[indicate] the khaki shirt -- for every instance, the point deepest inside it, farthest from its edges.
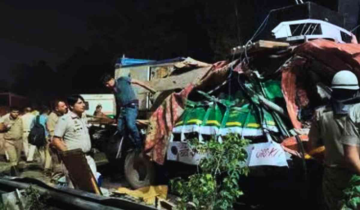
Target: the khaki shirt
(51, 123)
(27, 119)
(351, 135)
(74, 131)
(327, 129)
(16, 128)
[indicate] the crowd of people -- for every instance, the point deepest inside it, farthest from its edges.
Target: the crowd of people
(65, 127)
(14, 136)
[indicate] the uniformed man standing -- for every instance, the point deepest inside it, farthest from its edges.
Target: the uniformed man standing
(27, 119)
(13, 137)
(60, 109)
(71, 131)
(351, 140)
(127, 105)
(327, 129)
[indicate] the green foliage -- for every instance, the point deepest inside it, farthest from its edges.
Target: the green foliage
(215, 186)
(34, 200)
(4, 206)
(352, 194)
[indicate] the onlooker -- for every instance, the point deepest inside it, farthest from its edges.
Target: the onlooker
(43, 115)
(3, 112)
(60, 109)
(27, 119)
(71, 131)
(100, 117)
(35, 112)
(98, 111)
(13, 138)
(45, 157)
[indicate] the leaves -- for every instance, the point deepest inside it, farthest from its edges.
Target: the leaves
(216, 187)
(355, 180)
(34, 200)
(352, 193)
(354, 202)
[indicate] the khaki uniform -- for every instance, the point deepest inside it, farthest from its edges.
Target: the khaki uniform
(351, 135)
(327, 129)
(50, 126)
(27, 119)
(13, 138)
(352, 127)
(51, 123)
(73, 130)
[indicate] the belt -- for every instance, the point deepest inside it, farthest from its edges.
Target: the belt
(26, 131)
(130, 104)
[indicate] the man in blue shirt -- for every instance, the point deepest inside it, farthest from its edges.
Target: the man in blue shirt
(44, 151)
(127, 104)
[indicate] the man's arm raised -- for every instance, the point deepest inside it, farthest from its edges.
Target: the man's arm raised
(143, 85)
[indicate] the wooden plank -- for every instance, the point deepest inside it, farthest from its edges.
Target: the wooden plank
(260, 45)
(79, 171)
(177, 81)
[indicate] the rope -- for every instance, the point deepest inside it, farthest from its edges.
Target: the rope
(355, 28)
(257, 32)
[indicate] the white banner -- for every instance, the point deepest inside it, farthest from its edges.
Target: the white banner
(267, 154)
(180, 152)
(260, 154)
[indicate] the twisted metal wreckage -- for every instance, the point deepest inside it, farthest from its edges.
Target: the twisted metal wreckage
(268, 97)
(267, 92)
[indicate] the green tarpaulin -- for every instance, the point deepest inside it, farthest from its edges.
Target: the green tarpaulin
(221, 117)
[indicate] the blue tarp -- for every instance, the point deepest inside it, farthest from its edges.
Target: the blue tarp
(126, 62)
(131, 61)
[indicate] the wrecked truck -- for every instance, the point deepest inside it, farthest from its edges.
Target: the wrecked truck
(266, 91)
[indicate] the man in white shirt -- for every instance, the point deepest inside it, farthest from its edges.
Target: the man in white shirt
(71, 130)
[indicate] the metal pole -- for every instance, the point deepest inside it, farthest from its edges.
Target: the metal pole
(75, 198)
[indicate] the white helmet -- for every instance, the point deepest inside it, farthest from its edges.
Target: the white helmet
(345, 79)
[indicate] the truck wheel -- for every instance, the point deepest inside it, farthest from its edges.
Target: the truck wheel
(139, 171)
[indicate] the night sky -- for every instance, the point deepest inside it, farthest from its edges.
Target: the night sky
(53, 30)
(42, 29)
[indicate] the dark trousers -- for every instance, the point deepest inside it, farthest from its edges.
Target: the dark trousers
(127, 124)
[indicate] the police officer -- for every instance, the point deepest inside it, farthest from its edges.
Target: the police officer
(127, 104)
(13, 138)
(327, 129)
(60, 109)
(71, 131)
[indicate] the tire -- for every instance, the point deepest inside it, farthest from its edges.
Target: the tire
(139, 171)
